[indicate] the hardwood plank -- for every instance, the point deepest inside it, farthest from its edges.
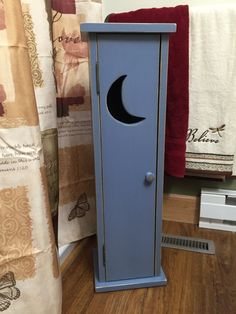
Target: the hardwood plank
(197, 283)
(73, 254)
(77, 282)
(129, 301)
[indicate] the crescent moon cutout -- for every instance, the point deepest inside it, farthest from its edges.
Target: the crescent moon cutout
(115, 104)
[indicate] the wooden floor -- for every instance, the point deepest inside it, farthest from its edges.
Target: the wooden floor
(197, 283)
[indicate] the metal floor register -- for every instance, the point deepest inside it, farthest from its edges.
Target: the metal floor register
(188, 244)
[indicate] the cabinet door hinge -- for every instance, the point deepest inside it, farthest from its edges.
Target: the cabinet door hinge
(97, 78)
(104, 255)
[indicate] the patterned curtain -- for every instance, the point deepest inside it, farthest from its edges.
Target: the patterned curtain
(76, 173)
(46, 168)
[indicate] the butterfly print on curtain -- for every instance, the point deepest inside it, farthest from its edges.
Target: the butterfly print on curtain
(81, 207)
(8, 291)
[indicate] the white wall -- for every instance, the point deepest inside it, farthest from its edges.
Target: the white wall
(113, 6)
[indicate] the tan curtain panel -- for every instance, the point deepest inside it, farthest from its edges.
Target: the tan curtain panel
(28, 255)
(46, 164)
(76, 173)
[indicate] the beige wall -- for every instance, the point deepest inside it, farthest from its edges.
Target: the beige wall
(111, 6)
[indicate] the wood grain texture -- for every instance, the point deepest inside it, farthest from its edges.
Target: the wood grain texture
(79, 246)
(181, 208)
(197, 283)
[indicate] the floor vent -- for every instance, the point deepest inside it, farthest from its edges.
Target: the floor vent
(188, 244)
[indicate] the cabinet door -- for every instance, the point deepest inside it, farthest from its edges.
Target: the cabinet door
(129, 78)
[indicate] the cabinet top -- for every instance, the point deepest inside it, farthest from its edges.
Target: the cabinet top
(128, 27)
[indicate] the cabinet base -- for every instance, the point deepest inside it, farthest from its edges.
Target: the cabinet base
(105, 286)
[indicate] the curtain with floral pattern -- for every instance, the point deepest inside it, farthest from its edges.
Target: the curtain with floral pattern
(46, 168)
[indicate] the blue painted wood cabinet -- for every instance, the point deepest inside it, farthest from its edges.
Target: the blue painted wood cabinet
(128, 70)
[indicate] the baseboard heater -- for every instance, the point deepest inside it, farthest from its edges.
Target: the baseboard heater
(218, 209)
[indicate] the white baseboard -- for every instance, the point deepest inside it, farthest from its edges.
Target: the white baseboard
(65, 250)
(217, 224)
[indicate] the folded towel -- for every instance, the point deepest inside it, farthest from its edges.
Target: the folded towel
(178, 79)
(211, 140)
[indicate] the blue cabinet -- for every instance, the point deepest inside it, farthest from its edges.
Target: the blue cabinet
(128, 67)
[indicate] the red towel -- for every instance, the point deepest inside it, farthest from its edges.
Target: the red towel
(178, 79)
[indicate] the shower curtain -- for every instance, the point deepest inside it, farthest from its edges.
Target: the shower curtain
(46, 169)
(76, 173)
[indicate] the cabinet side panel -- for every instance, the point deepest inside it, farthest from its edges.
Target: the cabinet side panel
(97, 153)
(161, 147)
